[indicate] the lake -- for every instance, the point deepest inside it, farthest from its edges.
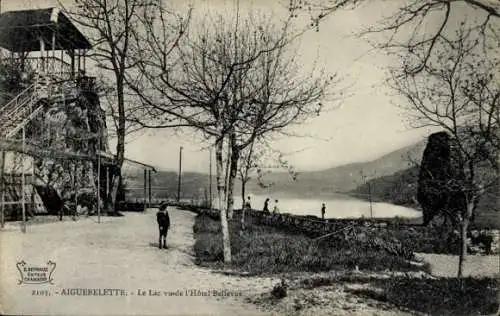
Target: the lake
(336, 207)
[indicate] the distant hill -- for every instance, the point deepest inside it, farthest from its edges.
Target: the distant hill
(393, 179)
(344, 178)
(401, 188)
(309, 184)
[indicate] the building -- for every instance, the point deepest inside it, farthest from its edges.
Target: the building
(51, 121)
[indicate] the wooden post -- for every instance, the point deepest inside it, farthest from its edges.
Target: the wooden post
(73, 66)
(23, 180)
(79, 64)
(179, 179)
(99, 179)
(145, 191)
(149, 180)
(107, 180)
(2, 186)
(84, 60)
(33, 186)
(370, 198)
(47, 61)
(42, 53)
(75, 188)
(53, 52)
(210, 179)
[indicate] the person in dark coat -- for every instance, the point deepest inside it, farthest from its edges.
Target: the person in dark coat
(266, 206)
(323, 211)
(163, 224)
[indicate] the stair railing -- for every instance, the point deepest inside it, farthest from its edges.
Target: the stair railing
(20, 99)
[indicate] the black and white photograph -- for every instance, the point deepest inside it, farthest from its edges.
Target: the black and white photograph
(250, 157)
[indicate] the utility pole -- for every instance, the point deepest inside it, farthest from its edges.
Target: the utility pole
(149, 183)
(145, 185)
(210, 179)
(180, 171)
(370, 198)
(369, 192)
(99, 176)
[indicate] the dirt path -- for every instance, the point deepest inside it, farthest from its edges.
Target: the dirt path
(122, 253)
(119, 253)
(474, 266)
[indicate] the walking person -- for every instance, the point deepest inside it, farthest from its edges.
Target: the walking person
(323, 211)
(163, 225)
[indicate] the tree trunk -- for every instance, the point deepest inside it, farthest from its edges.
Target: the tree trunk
(113, 192)
(243, 190)
(120, 150)
(233, 169)
(226, 178)
(221, 183)
(243, 208)
(464, 226)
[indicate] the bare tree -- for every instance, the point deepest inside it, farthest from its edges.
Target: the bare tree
(250, 160)
(113, 26)
(257, 160)
(440, 43)
(458, 91)
(416, 26)
(233, 81)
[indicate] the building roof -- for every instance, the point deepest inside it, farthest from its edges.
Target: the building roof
(20, 30)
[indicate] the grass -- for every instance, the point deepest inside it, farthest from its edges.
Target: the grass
(425, 239)
(266, 250)
(262, 250)
(442, 296)
(433, 296)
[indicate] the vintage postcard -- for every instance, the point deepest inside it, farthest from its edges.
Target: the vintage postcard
(249, 157)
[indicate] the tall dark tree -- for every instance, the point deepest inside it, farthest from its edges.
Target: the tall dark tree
(434, 176)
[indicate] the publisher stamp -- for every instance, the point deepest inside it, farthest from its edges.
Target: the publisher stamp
(36, 274)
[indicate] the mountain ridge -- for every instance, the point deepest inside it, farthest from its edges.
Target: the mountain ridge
(309, 184)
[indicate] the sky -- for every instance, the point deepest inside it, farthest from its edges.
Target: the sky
(366, 125)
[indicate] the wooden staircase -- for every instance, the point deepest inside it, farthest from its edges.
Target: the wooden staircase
(27, 104)
(14, 116)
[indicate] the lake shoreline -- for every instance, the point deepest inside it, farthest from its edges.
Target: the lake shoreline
(338, 206)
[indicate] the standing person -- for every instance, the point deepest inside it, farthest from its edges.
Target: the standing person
(266, 206)
(323, 211)
(163, 224)
(248, 205)
(276, 210)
